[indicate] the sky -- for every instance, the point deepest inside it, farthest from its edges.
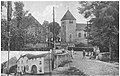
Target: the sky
(4, 54)
(43, 10)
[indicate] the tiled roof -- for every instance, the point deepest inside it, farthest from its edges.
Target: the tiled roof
(80, 26)
(31, 56)
(68, 16)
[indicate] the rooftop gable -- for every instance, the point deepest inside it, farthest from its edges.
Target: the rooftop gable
(68, 16)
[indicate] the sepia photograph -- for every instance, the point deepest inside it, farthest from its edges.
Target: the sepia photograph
(59, 38)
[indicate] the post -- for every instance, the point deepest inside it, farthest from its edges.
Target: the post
(53, 41)
(87, 39)
(49, 54)
(9, 13)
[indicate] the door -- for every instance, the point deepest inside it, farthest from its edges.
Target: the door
(34, 69)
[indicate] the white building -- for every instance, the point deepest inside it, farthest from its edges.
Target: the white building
(72, 31)
(30, 63)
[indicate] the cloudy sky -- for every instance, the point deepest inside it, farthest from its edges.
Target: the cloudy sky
(42, 10)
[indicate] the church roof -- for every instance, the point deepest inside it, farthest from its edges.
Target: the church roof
(68, 16)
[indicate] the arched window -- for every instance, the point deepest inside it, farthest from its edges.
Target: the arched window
(79, 34)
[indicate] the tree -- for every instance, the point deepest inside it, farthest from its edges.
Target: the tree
(17, 39)
(55, 29)
(105, 22)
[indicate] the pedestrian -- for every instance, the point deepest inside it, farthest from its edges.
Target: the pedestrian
(72, 52)
(83, 53)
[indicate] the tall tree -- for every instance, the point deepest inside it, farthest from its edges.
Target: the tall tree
(17, 31)
(55, 29)
(105, 21)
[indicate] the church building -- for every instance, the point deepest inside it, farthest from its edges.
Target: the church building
(71, 31)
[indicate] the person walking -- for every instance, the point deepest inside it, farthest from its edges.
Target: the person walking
(72, 52)
(83, 54)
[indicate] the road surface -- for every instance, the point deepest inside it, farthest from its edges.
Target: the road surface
(94, 67)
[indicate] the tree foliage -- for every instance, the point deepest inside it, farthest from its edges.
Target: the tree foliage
(104, 22)
(55, 29)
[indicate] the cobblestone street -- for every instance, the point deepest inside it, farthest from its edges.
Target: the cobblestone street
(94, 67)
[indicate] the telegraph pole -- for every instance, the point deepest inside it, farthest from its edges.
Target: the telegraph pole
(53, 41)
(9, 13)
(87, 38)
(53, 28)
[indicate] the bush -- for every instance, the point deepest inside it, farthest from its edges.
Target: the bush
(63, 63)
(80, 48)
(74, 71)
(80, 45)
(104, 56)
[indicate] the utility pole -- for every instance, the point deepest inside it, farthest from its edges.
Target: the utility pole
(53, 28)
(49, 52)
(9, 13)
(87, 38)
(53, 42)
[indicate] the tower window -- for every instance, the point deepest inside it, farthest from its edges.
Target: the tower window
(79, 34)
(63, 22)
(40, 63)
(70, 21)
(84, 35)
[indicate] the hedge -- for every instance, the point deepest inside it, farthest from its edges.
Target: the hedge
(80, 48)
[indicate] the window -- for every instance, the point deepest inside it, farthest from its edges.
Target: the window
(26, 61)
(22, 61)
(63, 22)
(70, 36)
(40, 69)
(79, 34)
(18, 68)
(40, 63)
(22, 67)
(85, 35)
(27, 67)
(70, 21)
(18, 62)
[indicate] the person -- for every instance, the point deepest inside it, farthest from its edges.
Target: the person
(72, 52)
(83, 53)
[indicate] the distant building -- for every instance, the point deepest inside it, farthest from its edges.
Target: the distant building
(4, 65)
(72, 31)
(35, 29)
(33, 64)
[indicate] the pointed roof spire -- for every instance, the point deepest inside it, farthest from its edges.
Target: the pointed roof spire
(68, 16)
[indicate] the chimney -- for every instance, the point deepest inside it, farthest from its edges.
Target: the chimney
(29, 15)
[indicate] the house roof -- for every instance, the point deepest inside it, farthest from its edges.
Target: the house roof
(80, 26)
(31, 56)
(12, 61)
(68, 16)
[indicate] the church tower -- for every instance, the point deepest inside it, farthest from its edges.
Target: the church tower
(68, 27)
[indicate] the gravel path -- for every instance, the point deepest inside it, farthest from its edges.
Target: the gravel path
(94, 67)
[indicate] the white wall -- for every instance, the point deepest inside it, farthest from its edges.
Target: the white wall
(70, 29)
(30, 63)
(82, 38)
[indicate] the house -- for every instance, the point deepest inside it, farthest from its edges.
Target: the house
(34, 29)
(12, 62)
(71, 31)
(33, 64)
